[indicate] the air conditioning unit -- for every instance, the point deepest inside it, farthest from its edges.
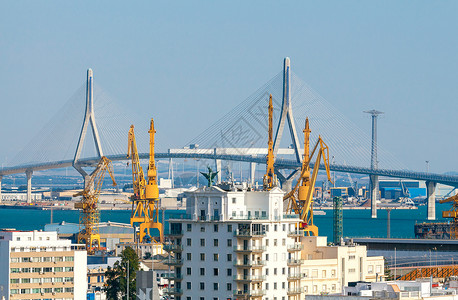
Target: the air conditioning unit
(41, 273)
(41, 283)
(53, 283)
(42, 294)
(53, 293)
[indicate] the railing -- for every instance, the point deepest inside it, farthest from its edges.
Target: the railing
(248, 218)
(173, 276)
(295, 233)
(181, 217)
(175, 233)
(250, 277)
(249, 292)
(250, 263)
(173, 247)
(173, 291)
(248, 233)
(241, 248)
(215, 218)
(295, 262)
(290, 216)
(295, 291)
(296, 276)
(295, 247)
(172, 261)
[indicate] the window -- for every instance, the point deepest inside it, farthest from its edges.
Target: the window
(202, 271)
(351, 257)
(36, 259)
(68, 269)
(215, 242)
(69, 258)
(229, 242)
(188, 227)
(267, 257)
(333, 287)
(25, 291)
(234, 200)
(69, 290)
(333, 273)
(351, 270)
(202, 229)
(58, 290)
(46, 259)
(36, 291)
(58, 269)
(215, 271)
(188, 242)
(215, 256)
(315, 273)
(70, 279)
(267, 271)
(378, 269)
(267, 242)
(324, 288)
(26, 259)
(57, 279)
(275, 227)
(188, 256)
(215, 227)
(202, 285)
(275, 256)
(14, 270)
(188, 271)
(202, 242)
(229, 272)
(188, 285)
(215, 286)
(370, 269)
(283, 242)
(275, 271)
(229, 228)
(323, 273)
(25, 270)
(14, 259)
(25, 280)
(14, 291)
(283, 285)
(202, 256)
(283, 271)
(14, 280)
(275, 242)
(229, 287)
(267, 285)
(229, 257)
(59, 258)
(36, 270)
(47, 290)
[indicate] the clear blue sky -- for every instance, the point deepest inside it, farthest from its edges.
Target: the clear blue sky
(190, 61)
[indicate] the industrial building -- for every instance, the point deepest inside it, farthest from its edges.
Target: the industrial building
(37, 265)
(238, 244)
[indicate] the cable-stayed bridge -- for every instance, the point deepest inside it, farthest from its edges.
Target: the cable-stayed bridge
(240, 135)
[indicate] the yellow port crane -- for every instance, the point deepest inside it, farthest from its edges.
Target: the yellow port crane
(453, 214)
(145, 201)
(90, 215)
(300, 198)
(270, 179)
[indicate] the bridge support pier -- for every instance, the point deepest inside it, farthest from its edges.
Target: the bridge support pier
(28, 174)
(431, 192)
(219, 176)
(252, 172)
(374, 195)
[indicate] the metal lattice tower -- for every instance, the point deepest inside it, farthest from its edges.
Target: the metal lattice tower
(374, 163)
(338, 220)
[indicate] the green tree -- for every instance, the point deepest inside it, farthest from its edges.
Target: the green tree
(116, 277)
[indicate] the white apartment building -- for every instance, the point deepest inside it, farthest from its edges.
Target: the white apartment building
(239, 244)
(37, 265)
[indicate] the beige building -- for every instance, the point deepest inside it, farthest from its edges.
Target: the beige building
(37, 265)
(326, 269)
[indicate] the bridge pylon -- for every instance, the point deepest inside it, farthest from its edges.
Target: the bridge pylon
(287, 115)
(89, 120)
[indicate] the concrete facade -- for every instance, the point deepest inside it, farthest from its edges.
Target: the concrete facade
(37, 265)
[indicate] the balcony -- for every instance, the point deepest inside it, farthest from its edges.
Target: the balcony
(173, 276)
(295, 291)
(172, 262)
(173, 248)
(250, 278)
(241, 248)
(296, 276)
(296, 233)
(295, 247)
(249, 293)
(175, 233)
(295, 262)
(250, 263)
(249, 234)
(173, 291)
